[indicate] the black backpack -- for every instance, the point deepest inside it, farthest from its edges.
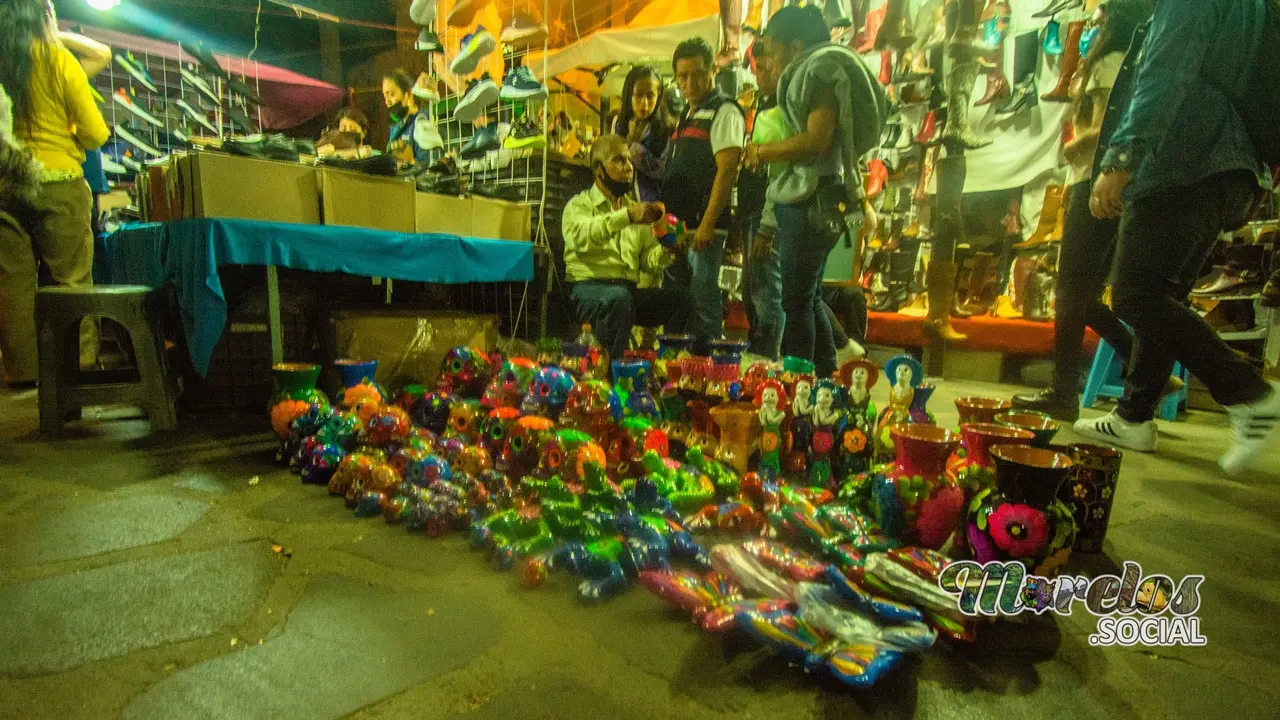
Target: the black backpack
(1260, 106)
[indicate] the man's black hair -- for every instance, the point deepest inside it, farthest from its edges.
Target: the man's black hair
(694, 47)
(793, 24)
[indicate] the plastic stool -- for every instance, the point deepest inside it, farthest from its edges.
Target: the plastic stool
(59, 312)
(1106, 380)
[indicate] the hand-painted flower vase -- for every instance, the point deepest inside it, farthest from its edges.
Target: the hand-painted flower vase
(358, 386)
(770, 401)
(827, 423)
(1090, 491)
(905, 375)
(915, 500)
(631, 396)
(974, 409)
(856, 449)
(1021, 518)
(972, 465)
(738, 433)
(295, 394)
(672, 347)
(1043, 426)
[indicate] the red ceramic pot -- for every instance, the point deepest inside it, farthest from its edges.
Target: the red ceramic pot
(975, 409)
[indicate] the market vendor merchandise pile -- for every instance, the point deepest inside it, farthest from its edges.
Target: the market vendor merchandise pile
(752, 500)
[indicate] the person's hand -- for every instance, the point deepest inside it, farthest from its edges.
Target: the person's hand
(646, 213)
(751, 158)
(702, 237)
(636, 131)
(761, 248)
(1107, 201)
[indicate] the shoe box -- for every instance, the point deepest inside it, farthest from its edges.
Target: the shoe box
(369, 201)
(409, 345)
(215, 185)
(474, 216)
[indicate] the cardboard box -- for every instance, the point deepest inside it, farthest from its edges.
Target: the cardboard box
(448, 214)
(213, 185)
(408, 345)
(501, 220)
(368, 201)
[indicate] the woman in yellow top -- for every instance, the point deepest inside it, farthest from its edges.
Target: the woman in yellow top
(55, 117)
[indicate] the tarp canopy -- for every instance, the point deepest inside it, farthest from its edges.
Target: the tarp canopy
(290, 99)
(650, 37)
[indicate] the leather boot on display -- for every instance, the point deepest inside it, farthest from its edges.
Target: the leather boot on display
(871, 33)
(1038, 306)
(896, 32)
(731, 27)
(941, 285)
(928, 128)
(1049, 214)
(902, 263)
(982, 286)
(1056, 6)
(928, 163)
(1070, 62)
(1022, 96)
(886, 68)
(997, 88)
(964, 270)
(1053, 38)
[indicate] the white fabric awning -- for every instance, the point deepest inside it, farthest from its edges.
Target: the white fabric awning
(633, 45)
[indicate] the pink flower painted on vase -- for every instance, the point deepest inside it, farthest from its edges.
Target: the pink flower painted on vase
(1019, 530)
(937, 519)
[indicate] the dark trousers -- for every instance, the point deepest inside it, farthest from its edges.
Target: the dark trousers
(1165, 238)
(1088, 248)
(846, 310)
(803, 251)
(612, 307)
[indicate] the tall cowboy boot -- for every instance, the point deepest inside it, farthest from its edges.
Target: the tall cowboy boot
(940, 283)
(1049, 212)
(755, 15)
(871, 33)
(902, 263)
(1070, 62)
(982, 285)
(997, 84)
(896, 31)
(958, 134)
(1038, 306)
(731, 26)
(964, 279)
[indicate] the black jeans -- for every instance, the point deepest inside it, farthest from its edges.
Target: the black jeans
(613, 306)
(1165, 238)
(1084, 260)
(847, 311)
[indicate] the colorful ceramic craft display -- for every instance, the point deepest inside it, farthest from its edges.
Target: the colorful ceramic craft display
(718, 494)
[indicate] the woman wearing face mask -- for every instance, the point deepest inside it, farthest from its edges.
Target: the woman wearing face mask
(57, 120)
(414, 136)
(645, 127)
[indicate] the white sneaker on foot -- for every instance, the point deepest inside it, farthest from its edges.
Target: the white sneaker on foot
(1111, 429)
(1252, 427)
(852, 351)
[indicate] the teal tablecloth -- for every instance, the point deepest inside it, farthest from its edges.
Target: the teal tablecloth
(187, 253)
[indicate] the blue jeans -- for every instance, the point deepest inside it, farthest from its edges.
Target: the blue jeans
(764, 288)
(803, 254)
(612, 307)
(699, 273)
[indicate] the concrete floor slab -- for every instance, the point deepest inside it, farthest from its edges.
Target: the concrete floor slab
(82, 530)
(67, 620)
(346, 644)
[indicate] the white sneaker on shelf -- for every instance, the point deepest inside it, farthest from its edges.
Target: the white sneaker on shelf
(1253, 427)
(1111, 429)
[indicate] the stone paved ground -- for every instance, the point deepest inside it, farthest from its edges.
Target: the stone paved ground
(146, 577)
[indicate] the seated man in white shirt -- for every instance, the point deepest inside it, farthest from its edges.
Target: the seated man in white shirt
(608, 242)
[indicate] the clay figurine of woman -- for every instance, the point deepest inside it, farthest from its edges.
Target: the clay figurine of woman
(770, 398)
(857, 445)
(904, 372)
(801, 433)
(828, 419)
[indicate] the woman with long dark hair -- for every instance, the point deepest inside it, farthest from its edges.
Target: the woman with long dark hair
(56, 119)
(1088, 244)
(643, 123)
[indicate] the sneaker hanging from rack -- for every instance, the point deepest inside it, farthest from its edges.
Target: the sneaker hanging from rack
(423, 12)
(428, 41)
(480, 94)
(525, 134)
(520, 84)
(474, 46)
(464, 11)
(524, 31)
(137, 70)
(482, 141)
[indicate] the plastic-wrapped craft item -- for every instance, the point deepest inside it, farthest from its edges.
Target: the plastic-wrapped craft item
(859, 665)
(712, 599)
(796, 565)
(822, 607)
(888, 576)
(749, 573)
(869, 603)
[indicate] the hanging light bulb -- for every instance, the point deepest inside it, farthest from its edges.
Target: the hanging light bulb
(102, 4)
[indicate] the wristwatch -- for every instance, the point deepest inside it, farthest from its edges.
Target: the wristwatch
(1120, 159)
